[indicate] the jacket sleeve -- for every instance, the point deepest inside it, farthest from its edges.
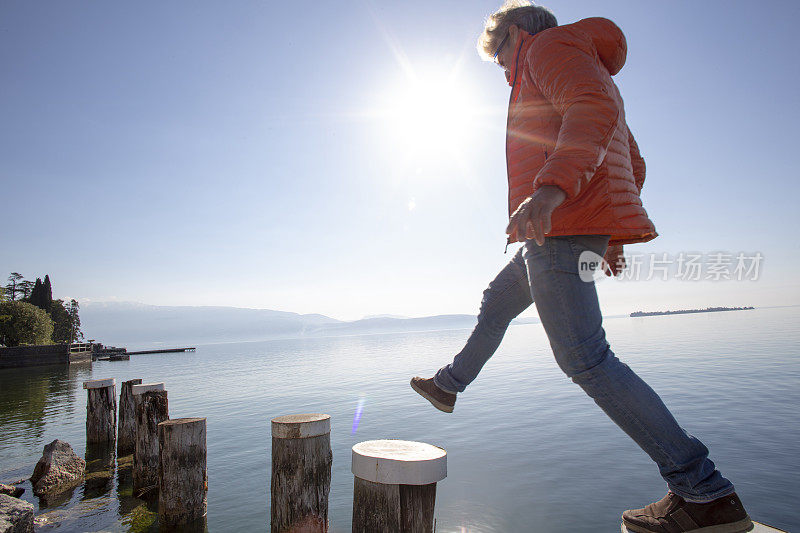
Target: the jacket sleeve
(570, 78)
(637, 162)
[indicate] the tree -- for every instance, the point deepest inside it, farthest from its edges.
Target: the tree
(75, 321)
(66, 321)
(62, 326)
(13, 279)
(3, 318)
(48, 292)
(37, 295)
(24, 288)
(27, 324)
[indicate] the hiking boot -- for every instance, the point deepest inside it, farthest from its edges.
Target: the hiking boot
(441, 399)
(673, 514)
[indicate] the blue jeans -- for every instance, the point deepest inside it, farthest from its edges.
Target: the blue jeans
(570, 313)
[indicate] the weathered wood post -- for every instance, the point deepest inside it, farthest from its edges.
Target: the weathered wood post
(152, 408)
(182, 476)
(126, 435)
(301, 473)
(101, 410)
(395, 485)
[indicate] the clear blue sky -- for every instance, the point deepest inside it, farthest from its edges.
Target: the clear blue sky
(348, 158)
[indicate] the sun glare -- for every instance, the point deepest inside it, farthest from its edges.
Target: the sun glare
(428, 115)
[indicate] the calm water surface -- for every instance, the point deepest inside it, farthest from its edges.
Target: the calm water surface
(525, 445)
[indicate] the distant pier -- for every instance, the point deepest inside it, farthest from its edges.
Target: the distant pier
(689, 311)
(163, 350)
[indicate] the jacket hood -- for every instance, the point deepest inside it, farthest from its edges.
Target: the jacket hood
(608, 39)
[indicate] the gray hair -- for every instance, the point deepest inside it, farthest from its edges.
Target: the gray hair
(523, 13)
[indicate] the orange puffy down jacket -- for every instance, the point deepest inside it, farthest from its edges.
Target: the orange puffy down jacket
(566, 127)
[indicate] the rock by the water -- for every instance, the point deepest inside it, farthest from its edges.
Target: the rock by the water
(11, 490)
(16, 516)
(58, 470)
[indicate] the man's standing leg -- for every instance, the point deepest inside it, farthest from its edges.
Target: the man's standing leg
(570, 313)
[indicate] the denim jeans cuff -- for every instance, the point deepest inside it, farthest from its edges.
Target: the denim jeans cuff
(438, 383)
(694, 498)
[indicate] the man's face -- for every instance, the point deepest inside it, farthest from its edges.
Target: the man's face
(505, 55)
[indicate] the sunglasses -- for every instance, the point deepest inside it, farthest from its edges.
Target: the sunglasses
(500, 46)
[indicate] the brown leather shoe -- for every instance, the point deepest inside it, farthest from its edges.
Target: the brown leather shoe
(673, 514)
(442, 400)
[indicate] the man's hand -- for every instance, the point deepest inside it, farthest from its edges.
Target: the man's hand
(615, 260)
(532, 217)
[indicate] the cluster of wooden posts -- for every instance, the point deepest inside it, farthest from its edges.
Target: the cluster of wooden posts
(169, 456)
(394, 487)
(394, 481)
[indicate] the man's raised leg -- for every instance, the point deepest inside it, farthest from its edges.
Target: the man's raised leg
(507, 296)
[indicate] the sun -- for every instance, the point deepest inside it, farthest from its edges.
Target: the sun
(428, 114)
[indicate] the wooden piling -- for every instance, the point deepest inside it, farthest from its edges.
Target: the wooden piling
(101, 410)
(126, 437)
(395, 485)
(182, 475)
(152, 408)
(301, 473)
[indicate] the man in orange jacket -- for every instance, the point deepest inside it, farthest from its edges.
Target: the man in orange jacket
(575, 176)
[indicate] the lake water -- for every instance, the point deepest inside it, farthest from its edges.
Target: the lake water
(527, 450)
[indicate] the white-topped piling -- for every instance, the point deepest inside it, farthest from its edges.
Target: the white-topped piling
(101, 410)
(141, 388)
(395, 485)
(301, 473)
(152, 407)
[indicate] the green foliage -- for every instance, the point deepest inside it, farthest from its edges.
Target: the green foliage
(66, 321)
(75, 320)
(24, 288)
(27, 324)
(13, 280)
(48, 292)
(61, 321)
(37, 297)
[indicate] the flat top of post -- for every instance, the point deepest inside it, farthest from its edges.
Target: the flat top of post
(399, 450)
(301, 426)
(99, 383)
(147, 387)
(399, 462)
(179, 421)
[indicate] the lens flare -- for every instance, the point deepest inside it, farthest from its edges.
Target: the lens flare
(357, 417)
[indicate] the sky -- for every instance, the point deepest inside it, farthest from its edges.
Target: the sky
(347, 158)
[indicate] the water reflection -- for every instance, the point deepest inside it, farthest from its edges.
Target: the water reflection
(100, 464)
(29, 395)
(57, 499)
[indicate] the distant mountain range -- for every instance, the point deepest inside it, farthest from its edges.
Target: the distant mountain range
(139, 325)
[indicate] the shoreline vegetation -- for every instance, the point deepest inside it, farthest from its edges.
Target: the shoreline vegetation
(30, 316)
(689, 311)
